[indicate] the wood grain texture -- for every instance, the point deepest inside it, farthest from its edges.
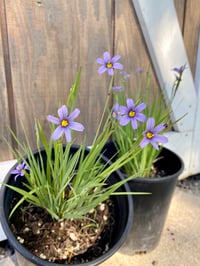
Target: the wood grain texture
(129, 42)
(48, 41)
(180, 10)
(4, 109)
(192, 31)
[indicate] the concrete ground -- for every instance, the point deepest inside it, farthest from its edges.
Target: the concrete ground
(180, 241)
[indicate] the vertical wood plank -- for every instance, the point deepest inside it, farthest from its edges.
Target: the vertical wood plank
(48, 41)
(5, 153)
(191, 31)
(129, 42)
(180, 6)
(195, 156)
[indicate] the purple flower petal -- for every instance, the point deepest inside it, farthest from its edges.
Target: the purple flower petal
(125, 75)
(139, 70)
(159, 128)
(74, 114)
(100, 61)
(110, 71)
(14, 171)
(116, 88)
(123, 109)
(150, 123)
(154, 144)
(76, 126)
(53, 119)
(140, 107)
(124, 120)
(118, 66)
(63, 112)
(57, 133)
(179, 69)
(134, 123)
(116, 112)
(162, 139)
(130, 103)
(116, 107)
(106, 57)
(67, 135)
(102, 69)
(141, 117)
(144, 142)
(116, 58)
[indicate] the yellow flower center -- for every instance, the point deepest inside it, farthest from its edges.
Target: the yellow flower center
(109, 65)
(149, 135)
(114, 114)
(131, 113)
(64, 123)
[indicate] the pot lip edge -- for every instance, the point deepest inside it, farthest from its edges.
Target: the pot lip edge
(35, 259)
(165, 178)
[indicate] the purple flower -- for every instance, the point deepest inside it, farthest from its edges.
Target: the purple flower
(151, 134)
(180, 69)
(65, 123)
(116, 112)
(139, 70)
(132, 114)
(116, 88)
(19, 170)
(179, 72)
(108, 63)
(125, 75)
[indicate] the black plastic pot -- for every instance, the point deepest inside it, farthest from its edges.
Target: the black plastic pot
(150, 211)
(123, 214)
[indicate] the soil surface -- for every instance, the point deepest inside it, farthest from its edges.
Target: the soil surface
(64, 241)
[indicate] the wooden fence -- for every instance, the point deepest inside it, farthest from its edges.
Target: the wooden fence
(44, 42)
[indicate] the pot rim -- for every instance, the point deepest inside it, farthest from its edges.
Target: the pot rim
(40, 262)
(165, 178)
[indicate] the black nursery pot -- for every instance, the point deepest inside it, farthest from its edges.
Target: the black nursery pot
(150, 211)
(123, 216)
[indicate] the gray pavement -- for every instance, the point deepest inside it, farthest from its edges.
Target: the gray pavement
(180, 241)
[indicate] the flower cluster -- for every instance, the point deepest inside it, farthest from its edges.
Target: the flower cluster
(132, 113)
(69, 184)
(139, 122)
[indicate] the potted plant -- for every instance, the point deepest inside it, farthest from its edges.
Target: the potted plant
(66, 204)
(88, 240)
(157, 168)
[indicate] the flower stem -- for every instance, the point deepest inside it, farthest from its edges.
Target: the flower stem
(104, 110)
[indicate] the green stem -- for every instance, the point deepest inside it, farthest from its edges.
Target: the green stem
(104, 110)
